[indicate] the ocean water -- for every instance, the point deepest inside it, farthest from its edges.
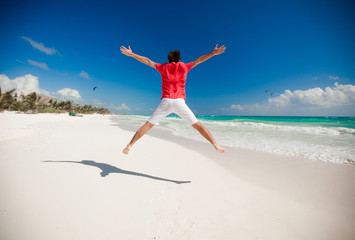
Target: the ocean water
(330, 139)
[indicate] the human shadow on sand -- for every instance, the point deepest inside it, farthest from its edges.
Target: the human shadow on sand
(107, 169)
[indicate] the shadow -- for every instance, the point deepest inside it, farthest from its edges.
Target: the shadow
(107, 169)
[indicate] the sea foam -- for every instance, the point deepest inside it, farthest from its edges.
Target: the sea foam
(313, 141)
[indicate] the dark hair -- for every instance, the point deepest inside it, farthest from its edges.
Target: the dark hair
(174, 56)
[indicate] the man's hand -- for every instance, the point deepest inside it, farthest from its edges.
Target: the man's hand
(145, 60)
(218, 50)
(125, 51)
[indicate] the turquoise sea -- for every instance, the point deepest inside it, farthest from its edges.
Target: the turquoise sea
(347, 122)
(330, 139)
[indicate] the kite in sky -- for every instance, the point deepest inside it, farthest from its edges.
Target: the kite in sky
(268, 92)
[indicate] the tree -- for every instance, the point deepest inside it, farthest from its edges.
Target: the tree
(17, 106)
(32, 101)
(6, 99)
(61, 105)
(54, 104)
(68, 105)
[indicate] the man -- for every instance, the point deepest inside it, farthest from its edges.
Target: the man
(173, 93)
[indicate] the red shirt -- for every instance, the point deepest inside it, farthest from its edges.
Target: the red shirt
(173, 77)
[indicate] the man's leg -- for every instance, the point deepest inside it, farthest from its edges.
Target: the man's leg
(138, 135)
(204, 132)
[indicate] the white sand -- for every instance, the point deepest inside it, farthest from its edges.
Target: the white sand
(65, 178)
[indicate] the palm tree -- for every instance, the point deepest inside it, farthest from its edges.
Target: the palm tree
(17, 106)
(86, 108)
(6, 99)
(61, 105)
(68, 105)
(54, 104)
(77, 108)
(32, 101)
(0, 99)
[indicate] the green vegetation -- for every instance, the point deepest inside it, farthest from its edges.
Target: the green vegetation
(50, 110)
(31, 104)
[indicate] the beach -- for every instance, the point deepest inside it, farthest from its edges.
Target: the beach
(65, 177)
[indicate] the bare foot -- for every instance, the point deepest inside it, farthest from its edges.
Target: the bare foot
(126, 150)
(220, 149)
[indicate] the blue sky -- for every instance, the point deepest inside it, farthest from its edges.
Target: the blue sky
(304, 51)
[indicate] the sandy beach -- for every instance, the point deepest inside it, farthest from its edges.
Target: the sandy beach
(65, 177)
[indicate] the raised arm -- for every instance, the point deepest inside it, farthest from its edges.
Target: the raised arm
(216, 51)
(145, 60)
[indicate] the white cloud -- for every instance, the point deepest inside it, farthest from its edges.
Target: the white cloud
(334, 77)
(237, 107)
(24, 84)
(98, 103)
(68, 94)
(41, 47)
(28, 83)
(38, 64)
(111, 107)
(339, 95)
(124, 106)
(336, 100)
(242, 109)
(84, 75)
(121, 107)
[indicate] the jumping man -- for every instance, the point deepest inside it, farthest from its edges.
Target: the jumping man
(173, 93)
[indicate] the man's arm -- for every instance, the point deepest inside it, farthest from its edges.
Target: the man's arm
(145, 60)
(216, 51)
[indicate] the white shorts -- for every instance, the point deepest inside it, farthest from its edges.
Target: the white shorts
(168, 106)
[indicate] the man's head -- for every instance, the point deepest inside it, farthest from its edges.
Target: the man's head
(174, 56)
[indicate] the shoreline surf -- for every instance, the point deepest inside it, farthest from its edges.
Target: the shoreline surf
(307, 137)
